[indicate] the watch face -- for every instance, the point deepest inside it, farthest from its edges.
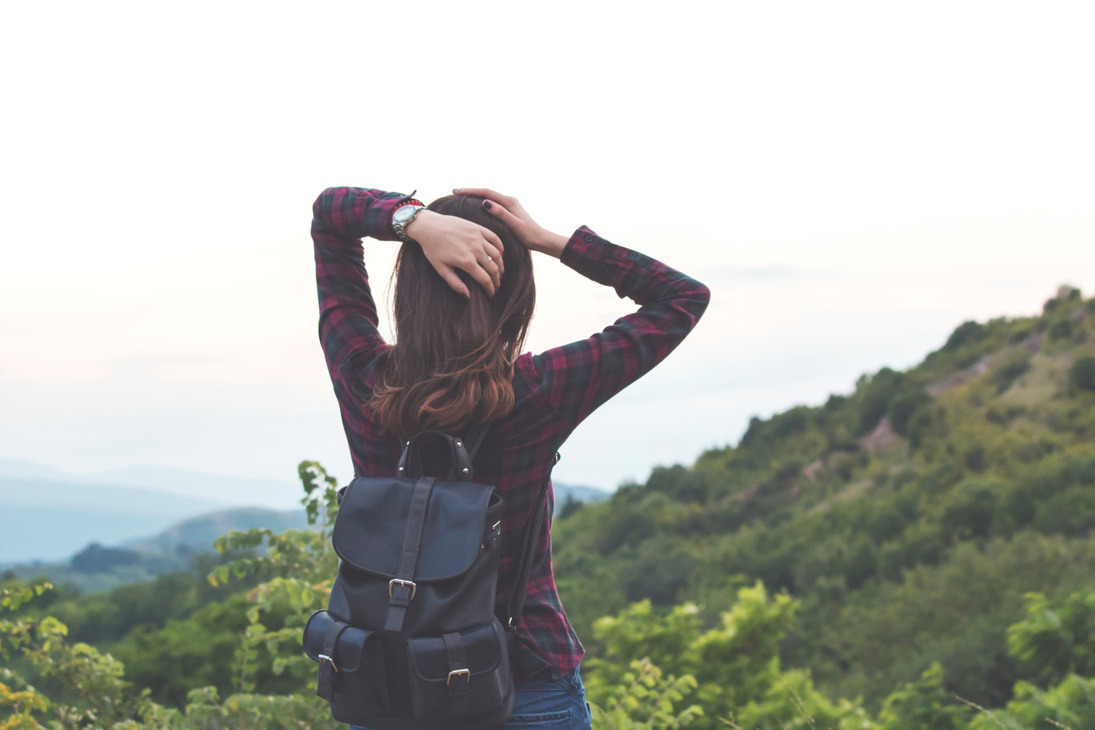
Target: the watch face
(403, 214)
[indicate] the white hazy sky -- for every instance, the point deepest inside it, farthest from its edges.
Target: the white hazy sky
(852, 180)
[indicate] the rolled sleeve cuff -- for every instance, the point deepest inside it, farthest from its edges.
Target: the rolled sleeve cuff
(582, 246)
(384, 207)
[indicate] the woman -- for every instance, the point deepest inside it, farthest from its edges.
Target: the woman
(464, 297)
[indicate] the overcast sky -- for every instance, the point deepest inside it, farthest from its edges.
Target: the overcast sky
(852, 180)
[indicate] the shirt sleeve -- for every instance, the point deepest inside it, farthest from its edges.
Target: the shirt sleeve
(579, 377)
(347, 314)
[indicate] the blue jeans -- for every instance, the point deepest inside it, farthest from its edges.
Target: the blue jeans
(559, 704)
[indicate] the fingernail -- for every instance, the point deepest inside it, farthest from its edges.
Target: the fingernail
(457, 190)
(487, 204)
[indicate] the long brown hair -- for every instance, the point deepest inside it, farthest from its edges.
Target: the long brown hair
(452, 362)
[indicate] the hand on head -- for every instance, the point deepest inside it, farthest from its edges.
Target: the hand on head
(451, 243)
(509, 210)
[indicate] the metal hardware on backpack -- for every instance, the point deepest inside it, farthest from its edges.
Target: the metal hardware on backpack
(410, 639)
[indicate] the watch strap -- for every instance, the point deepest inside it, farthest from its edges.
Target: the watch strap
(400, 226)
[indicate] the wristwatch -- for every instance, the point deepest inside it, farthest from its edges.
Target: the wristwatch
(402, 218)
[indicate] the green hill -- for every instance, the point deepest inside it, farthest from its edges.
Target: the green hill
(97, 567)
(909, 517)
(879, 562)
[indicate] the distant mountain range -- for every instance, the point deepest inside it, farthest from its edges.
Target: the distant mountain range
(97, 567)
(48, 514)
(165, 515)
(42, 519)
(214, 488)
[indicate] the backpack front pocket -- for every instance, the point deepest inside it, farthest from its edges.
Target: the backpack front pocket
(351, 663)
(463, 677)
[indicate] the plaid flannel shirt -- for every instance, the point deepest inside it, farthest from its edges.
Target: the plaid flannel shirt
(554, 390)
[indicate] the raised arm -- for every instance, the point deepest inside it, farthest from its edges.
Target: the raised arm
(579, 377)
(347, 313)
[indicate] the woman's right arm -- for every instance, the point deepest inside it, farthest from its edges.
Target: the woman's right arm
(579, 377)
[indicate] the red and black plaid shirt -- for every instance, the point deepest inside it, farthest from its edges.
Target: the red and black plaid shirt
(554, 390)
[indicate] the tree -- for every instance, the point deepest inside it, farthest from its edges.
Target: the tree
(1055, 640)
(1081, 376)
(734, 666)
(924, 705)
(1069, 705)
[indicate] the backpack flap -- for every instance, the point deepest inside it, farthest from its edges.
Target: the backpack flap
(417, 554)
(372, 523)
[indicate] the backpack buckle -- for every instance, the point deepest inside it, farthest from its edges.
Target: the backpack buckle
(324, 659)
(410, 583)
(465, 673)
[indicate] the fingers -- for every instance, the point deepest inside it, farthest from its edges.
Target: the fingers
(502, 214)
(487, 256)
(483, 193)
(495, 242)
(494, 249)
(449, 275)
(482, 277)
(493, 269)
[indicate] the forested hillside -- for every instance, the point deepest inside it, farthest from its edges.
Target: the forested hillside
(915, 554)
(909, 519)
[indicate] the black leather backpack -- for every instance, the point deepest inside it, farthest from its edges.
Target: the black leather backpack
(410, 639)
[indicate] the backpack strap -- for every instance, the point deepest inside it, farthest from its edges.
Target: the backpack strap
(401, 588)
(461, 452)
(459, 675)
(328, 670)
(524, 566)
(475, 438)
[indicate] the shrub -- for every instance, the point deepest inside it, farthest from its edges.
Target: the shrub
(569, 506)
(1071, 512)
(922, 704)
(970, 509)
(875, 395)
(967, 332)
(1081, 376)
(793, 421)
(98, 559)
(1055, 639)
(656, 570)
(925, 424)
(1009, 367)
(902, 408)
(1062, 329)
(752, 433)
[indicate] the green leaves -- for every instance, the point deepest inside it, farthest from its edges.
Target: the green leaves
(14, 596)
(255, 639)
(1055, 640)
(924, 705)
(663, 669)
(320, 490)
(646, 699)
